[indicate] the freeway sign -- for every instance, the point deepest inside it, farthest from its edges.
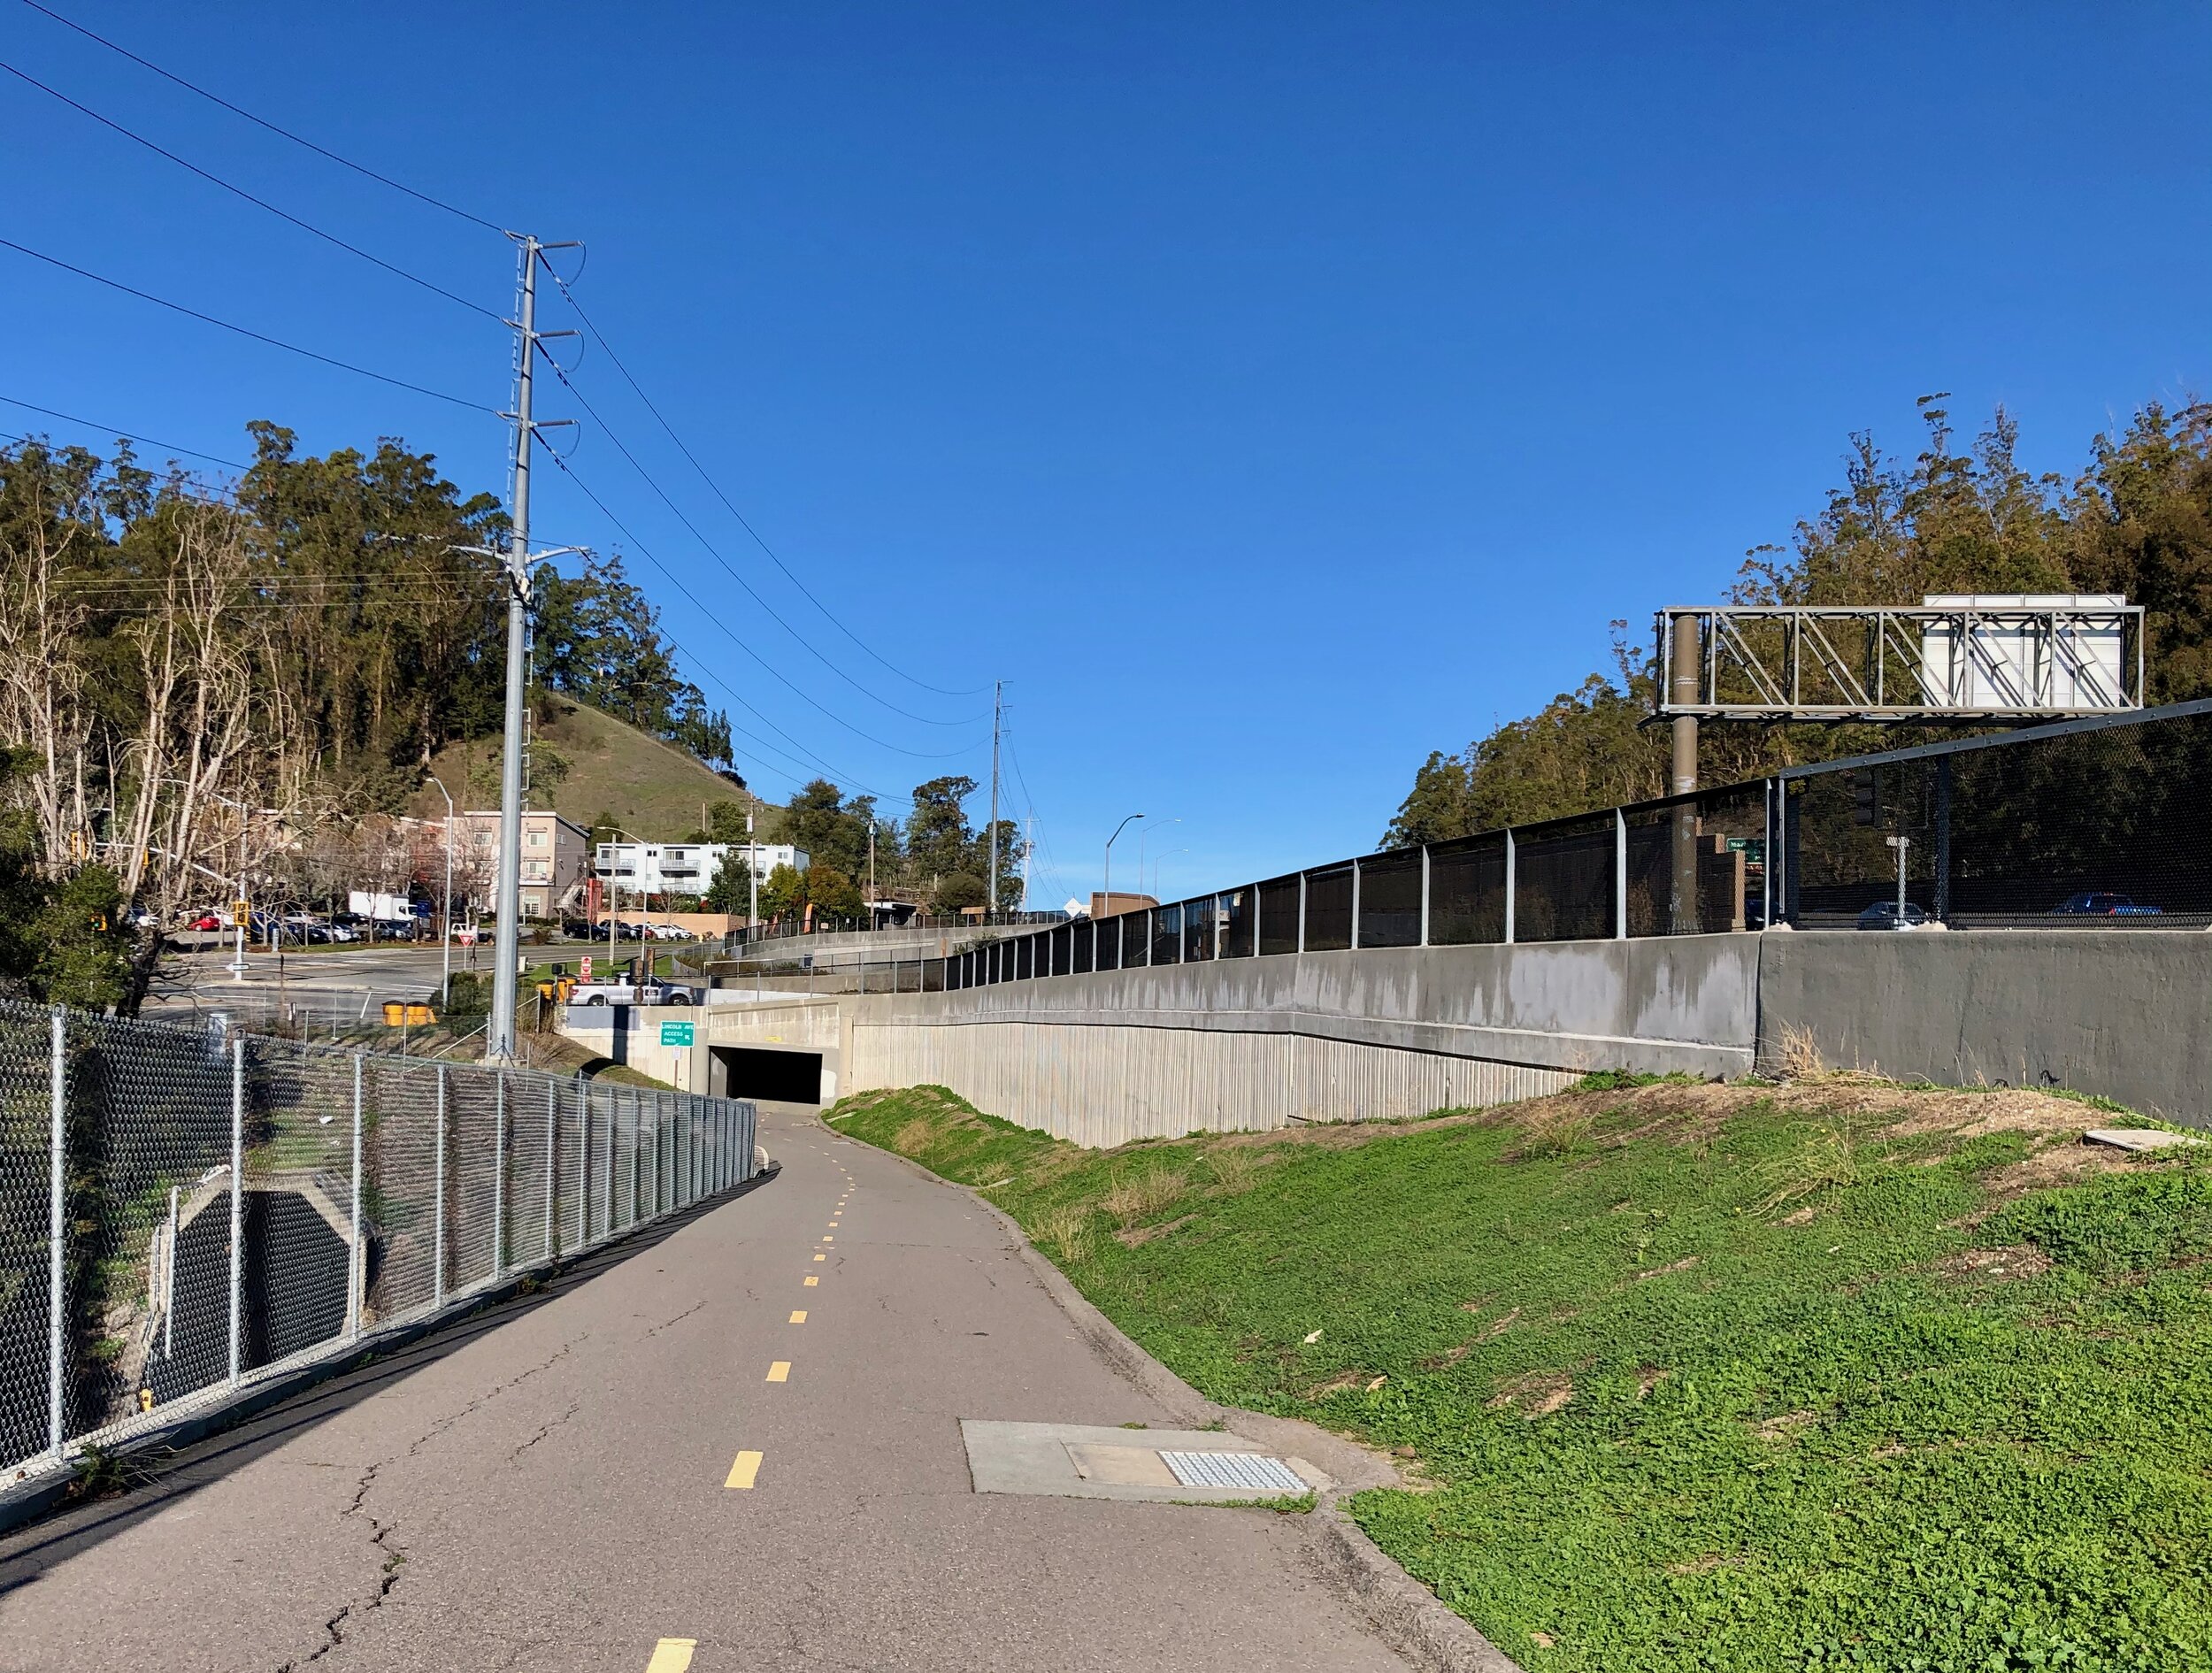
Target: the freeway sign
(676, 1034)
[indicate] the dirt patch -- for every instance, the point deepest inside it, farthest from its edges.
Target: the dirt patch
(2014, 1261)
(1682, 1265)
(913, 1138)
(1788, 1426)
(1337, 1385)
(1537, 1394)
(1131, 1237)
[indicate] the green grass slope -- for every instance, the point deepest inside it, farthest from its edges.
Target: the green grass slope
(648, 786)
(1838, 1374)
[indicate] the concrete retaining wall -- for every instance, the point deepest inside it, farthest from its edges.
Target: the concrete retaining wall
(2122, 1013)
(1379, 1034)
(1107, 1084)
(1386, 1034)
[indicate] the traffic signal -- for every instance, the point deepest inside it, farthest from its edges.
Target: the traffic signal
(1866, 795)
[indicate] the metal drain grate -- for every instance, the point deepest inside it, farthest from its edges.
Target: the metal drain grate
(1232, 1469)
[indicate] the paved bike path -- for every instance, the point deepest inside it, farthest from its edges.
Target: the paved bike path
(555, 1493)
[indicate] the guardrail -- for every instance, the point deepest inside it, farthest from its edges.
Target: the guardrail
(185, 1212)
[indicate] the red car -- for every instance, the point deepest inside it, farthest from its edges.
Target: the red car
(205, 920)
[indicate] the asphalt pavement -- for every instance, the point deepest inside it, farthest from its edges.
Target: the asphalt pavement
(737, 1445)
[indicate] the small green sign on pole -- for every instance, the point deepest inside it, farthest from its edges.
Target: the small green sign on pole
(677, 1033)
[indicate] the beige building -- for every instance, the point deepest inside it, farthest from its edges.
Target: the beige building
(555, 860)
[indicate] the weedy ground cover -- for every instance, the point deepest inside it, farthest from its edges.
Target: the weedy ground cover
(1838, 1373)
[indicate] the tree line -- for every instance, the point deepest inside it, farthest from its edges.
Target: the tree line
(935, 856)
(195, 684)
(2135, 518)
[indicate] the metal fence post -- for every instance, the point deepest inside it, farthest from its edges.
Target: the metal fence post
(499, 1172)
(237, 1199)
(583, 1162)
(437, 1241)
(1424, 895)
(630, 1213)
(1509, 886)
(552, 1154)
(606, 1170)
(1354, 941)
(358, 1272)
(1302, 911)
(58, 1098)
(1620, 875)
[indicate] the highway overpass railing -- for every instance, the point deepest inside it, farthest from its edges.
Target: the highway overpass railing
(2099, 822)
(185, 1212)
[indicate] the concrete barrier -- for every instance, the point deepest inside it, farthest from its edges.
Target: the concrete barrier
(2118, 1013)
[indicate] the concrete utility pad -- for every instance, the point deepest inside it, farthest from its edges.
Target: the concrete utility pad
(1075, 1460)
(2137, 1138)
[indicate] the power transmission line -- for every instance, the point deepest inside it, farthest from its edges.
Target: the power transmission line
(259, 202)
(640, 548)
(263, 122)
(880, 743)
(600, 337)
(274, 342)
(623, 448)
(123, 436)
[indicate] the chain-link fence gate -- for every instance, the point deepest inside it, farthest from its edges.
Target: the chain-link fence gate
(185, 1212)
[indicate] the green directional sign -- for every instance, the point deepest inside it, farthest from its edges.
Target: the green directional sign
(677, 1033)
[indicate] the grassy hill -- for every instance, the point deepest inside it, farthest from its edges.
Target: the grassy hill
(1824, 1375)
(646, 786)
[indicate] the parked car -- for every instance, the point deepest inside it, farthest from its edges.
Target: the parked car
(2103, 903)
(209, 920)
(1885, 915)
(671, 932)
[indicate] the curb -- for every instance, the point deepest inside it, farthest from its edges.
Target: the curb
(1404, 1613)
(52, 1489)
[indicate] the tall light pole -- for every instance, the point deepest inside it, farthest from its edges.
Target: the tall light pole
(1158, 860)
(998, 688)
(1107, 893)
(1145, 836)
(445, 909)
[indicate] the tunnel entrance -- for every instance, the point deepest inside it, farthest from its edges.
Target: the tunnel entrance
(777, 1077)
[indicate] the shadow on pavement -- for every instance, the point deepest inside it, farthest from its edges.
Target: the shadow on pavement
(155, 1481)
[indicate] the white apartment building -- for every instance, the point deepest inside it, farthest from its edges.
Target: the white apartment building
(685, 868)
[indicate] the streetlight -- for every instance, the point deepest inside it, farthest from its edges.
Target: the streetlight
(1144, 836)
(1158, 860)
(1107, 894)
(445, 909)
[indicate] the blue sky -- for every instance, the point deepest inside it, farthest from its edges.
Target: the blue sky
(1269, 394)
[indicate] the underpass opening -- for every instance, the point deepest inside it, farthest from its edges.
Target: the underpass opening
(770, 1074)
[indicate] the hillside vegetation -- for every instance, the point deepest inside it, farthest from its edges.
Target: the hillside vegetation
(605, 766)
(1837, 1373)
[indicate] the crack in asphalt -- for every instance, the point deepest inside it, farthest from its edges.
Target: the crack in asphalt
(678, 1319)
(381, 1531)
(545, 1429)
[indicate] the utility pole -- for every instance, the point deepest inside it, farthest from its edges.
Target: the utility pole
(1029, 846)
(499, 1034)
(752, 874)
(871, 872)
(998, 690)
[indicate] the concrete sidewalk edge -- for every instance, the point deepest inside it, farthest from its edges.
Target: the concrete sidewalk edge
(53, 1490)
(1404, 1613)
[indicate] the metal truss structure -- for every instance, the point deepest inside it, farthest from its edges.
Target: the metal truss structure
(1967, 664)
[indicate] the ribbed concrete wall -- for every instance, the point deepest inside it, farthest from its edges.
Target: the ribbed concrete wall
(1107, 1085)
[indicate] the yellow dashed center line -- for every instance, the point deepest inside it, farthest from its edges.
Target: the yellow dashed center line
(745, 1470)
(811, 1280)
(780, 1371)
(673, 1655)
(798, 1316)
(827, 1238)
(821, 1257)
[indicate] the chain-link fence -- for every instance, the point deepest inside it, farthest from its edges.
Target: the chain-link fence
(2095, 823)
(186, 1211)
